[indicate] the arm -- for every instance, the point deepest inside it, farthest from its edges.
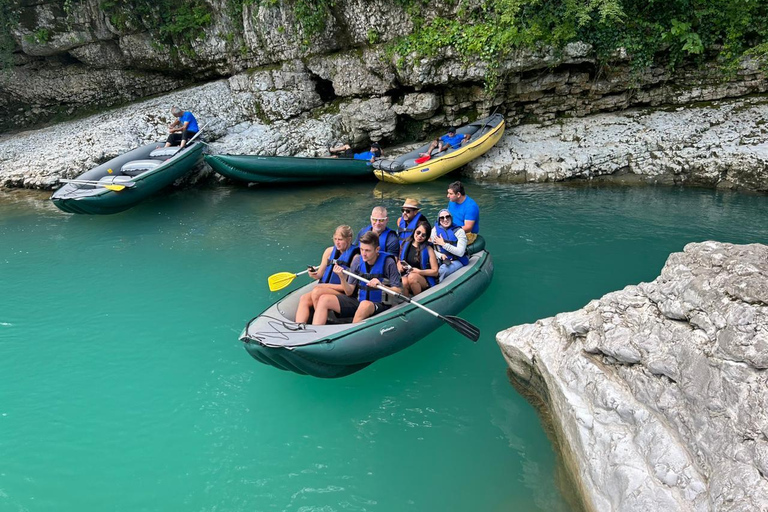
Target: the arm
(347, 286)
(468, 225)
(321, 268)
(432, 271)
(461, 245)
(470, 217)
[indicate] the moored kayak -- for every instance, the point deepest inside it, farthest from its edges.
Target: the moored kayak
(124, 181)
(336, 350)
(287, 169)
(409, 168)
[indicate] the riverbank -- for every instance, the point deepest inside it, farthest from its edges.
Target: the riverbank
(721, 144)
(657, 392)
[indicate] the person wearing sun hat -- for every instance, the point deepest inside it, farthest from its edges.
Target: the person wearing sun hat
(410, 218)
(450, 243)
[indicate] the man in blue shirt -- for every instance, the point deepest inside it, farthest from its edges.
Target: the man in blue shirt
(345, 151)
(449, 140)
(464, 210)
(182, 129)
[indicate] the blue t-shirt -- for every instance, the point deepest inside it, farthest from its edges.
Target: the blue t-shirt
(363, 156)
(454, 141)
(468, 210)
(188, 117)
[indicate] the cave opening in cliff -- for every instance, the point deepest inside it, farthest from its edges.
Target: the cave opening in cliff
(324, 89)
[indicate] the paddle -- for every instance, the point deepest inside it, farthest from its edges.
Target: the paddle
(281, 280)
(94, 183)
(459, 324)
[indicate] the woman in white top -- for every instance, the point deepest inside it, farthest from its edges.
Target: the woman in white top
(450, 243)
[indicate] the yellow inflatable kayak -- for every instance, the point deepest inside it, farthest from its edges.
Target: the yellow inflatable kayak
(484, 133)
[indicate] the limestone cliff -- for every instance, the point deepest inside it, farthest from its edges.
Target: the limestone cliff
(659, 392)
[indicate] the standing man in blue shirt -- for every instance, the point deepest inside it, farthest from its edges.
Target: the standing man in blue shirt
(464, 210)
(449, 140)
(182, 129)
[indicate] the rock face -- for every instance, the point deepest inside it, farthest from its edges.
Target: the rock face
(659, 392)
(724, 145)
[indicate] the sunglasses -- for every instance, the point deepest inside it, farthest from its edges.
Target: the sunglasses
(407, 210)
(443, 217)
(419, 233)
(379, 220)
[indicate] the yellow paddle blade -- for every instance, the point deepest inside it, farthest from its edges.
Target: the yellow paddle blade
(280, 280)
(116, 188)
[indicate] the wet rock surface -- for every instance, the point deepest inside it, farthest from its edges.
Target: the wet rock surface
(659, 392)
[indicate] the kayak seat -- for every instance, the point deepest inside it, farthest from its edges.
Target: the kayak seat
(136, 167)
(114, 180)
(164, 152)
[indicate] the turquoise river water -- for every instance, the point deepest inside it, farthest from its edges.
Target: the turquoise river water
(124, 386)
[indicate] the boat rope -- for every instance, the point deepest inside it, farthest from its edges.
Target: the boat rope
(280, 329)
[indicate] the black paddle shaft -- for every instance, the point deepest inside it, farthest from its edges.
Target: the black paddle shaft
(459, 324)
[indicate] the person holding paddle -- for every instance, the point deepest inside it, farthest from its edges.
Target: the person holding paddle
(342, 252)
(418, 263)
(183, 128)
(447, 141)
(361, 301)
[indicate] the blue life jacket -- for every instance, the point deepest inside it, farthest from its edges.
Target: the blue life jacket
(404, 231)
(344, 259)
(382, 239)
(377, 271)
(450, 237)
(424, 260)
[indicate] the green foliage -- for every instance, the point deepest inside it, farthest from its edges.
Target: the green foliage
(373, 36)
(172, 22)
(8, 19)
(647, 30)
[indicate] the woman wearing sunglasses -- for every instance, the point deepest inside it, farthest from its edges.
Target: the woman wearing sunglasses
(450, 243)
(418, 263)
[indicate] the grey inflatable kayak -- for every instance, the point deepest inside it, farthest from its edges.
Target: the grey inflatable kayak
(336, 350)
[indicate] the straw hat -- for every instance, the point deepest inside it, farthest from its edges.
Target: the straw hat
(411, 203)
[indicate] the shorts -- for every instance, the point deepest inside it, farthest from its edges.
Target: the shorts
(348, 306)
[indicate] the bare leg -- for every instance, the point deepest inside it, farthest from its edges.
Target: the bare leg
(318, 291)
(339, 149)
(418, 284)
(432, 147)
(363, 311)
(325, 304)
(304, 309)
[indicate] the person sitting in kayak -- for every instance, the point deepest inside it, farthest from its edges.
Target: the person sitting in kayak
(182, 129)
(418, 263)
(388, 240)
(450, 243)
(344, 252)
(345, 151)
(447, 141)
(410, 218)
(361, 301)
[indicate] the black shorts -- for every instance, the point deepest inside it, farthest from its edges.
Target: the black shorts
(348, 306)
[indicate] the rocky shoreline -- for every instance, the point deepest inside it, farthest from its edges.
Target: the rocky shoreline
(722, 144)
(658, 393)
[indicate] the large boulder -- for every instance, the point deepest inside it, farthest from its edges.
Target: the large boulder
(659, 392)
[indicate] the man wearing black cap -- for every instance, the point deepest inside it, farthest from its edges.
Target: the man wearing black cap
(449, 140)
(345, 151)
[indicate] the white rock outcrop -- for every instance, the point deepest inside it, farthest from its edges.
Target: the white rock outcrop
(659, 392)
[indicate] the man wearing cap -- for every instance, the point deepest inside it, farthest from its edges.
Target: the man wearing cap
(464, 209)
(388, 240)
(345, 151)
(410, 218)
(449, 140)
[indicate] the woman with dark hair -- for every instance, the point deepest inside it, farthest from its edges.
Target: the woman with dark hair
(418, 263)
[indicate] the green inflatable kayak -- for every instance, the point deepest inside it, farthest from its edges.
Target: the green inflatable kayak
(126, 180)
(287, 169)
(336, 350)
